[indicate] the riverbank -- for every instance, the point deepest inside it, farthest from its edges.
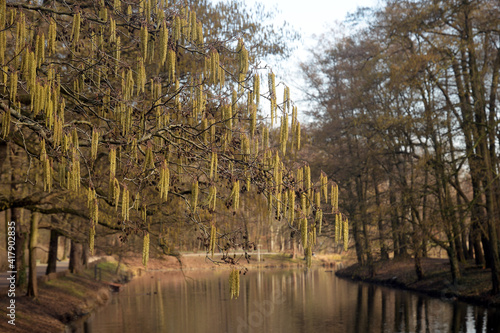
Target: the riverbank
(62, 297)
(65, 297)
(474, 286)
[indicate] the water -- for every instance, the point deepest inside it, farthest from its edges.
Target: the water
(279, 301)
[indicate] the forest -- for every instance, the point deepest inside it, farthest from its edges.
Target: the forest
(153, 127)
(407, 123)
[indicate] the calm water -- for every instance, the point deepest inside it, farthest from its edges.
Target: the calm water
(278, 301)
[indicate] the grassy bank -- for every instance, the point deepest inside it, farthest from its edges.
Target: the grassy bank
(67, 297)
(62, 297)
(474, 286)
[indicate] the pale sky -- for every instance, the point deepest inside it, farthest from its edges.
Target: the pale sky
(310, 17)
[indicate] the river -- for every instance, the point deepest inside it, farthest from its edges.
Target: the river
(271, 300)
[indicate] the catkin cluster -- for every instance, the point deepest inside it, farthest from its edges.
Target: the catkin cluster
(213, 239)
(243, 61)
(324, 185)
(145, 249)
(235, 195)
(164, 183)
(234, 283)
(211, 201)
(194, 199)
(335, 198)
(125, 204)
(46, 167)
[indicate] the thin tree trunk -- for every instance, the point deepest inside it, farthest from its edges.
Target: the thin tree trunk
(384, 252)
(32, 279)
(20, 265)
(52, 261)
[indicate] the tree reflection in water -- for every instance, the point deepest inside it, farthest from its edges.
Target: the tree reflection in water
(279, 301)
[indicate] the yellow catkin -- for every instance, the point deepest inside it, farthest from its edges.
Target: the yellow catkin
(91, 238)
(303, 231)
(125, 204)
(253, 122)
(317, 199)
(303, 203)
(141, 75)
(149, 158)
(256, 88)
(171, 65)
(345, 228)
(212, 198)
(307, 181)
(193, 27)
(112, 162)
(234, 283)
(177, 29)
(297, 134)
(194, 199)
(40, 49)
(74, 173)
(291, 206)
(47, 175)
(13, 87)
(242, 58)
(300, 178)
(52, 36)
(213, 165)
(95, 142)
(337, 227)
(213, 239)
(164, 180)
(163, 43)
(115, 190)
(144, 41)
(319, 220)
(112, 175)
(199, 33)
(235, 195)
(76, 29)
(6, 123)
(117, 4)
(145, 249)
(324, 185)
(335, 198)
(112, 30)
(278, 205)
(117, 53)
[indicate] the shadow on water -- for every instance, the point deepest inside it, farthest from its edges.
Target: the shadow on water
(279, 301)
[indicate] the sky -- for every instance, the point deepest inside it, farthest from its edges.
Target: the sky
(310, 17)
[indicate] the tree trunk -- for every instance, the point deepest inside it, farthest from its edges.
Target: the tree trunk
(476, 244)
(17, 213)
(418, 264)
(52, 261)
(65, 248)
(454, 265)
(394, 222)
(384, 251)
(32, 279)
(75, 257)
(85, 255)
(357, 242)
(20, 265)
